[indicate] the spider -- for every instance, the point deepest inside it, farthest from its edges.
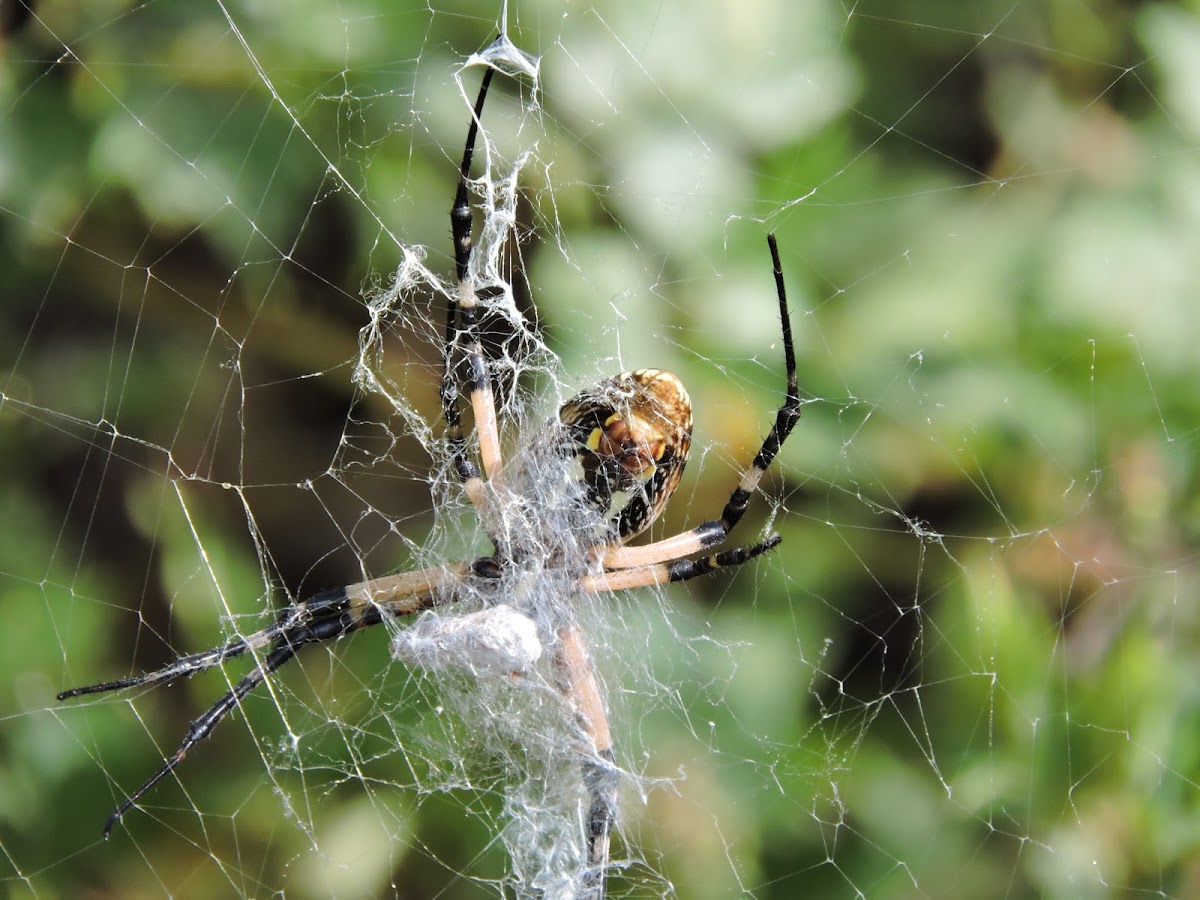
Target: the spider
(593, 479)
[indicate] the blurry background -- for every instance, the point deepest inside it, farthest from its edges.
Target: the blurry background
(971, 668)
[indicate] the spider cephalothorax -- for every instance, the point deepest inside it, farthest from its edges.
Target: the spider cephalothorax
(594, 478)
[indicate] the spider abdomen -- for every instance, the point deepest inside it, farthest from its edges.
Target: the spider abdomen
(629, 437)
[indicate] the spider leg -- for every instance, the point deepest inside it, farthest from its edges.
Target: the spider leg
(709, 534)
(463, 305)
(203, 726)
(323, 617)
(186, 666)
(687, 569)
(674, 570)
(353, 606)
(577, 681)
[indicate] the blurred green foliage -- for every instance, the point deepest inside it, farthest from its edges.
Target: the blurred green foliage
(970, 671)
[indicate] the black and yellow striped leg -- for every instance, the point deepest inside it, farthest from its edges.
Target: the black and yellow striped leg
(323, 617)
(687, 569)
(674, 570)
(577, 682)
(320, 606)
(785, 419)
(462, 319)
(710, 534)
(600, 778)
(326, 616)
(203, 726)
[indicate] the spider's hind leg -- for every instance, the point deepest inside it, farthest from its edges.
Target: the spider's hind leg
(316, 608)
(577, 681)
(322, 617)
(203, 726)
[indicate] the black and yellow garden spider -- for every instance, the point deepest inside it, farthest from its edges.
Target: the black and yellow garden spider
(560, 512)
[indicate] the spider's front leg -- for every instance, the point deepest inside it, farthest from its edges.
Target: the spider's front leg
(629, 438)
(463, 305)
(710, 534)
